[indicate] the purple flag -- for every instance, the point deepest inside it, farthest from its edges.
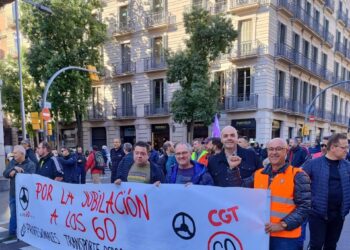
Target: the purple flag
(216, 127)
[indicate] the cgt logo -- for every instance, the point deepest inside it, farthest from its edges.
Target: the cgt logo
(24, 198)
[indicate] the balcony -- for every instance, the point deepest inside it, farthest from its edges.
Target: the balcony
(152, 64)
(306, 20)
(125, 69)
(329, 6)
(283, 104)
(340, 48)
(286, 6)
(220, 7)
(245, 50)
(157, 109)
(96, 114)
(241, 103)
(128, 112)
(296, 59)
(123, 28)
(243, 6)
(159, 19)
(202, 4)
(328, 38)
(339, 119)
(342, 18)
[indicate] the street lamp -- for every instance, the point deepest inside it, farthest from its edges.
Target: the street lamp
(18, 45)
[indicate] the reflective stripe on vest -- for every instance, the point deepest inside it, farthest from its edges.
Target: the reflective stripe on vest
(194, 154)
(282, 194)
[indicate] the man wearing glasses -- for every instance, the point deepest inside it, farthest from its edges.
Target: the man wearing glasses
(290, 196)
(330, 190)
(323, 148)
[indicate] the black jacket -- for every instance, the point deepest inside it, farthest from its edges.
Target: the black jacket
(219, 169)
(125, 166)
(116, 156)
(32, 156)
(81, 160)
(49, 167)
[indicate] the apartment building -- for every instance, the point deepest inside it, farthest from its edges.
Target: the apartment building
(285, 54)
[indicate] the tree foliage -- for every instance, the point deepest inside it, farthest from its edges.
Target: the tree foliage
(197, 99)
(71, 36)
(10, 90)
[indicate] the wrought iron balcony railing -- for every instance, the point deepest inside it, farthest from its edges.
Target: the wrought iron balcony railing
(154, 63)
(125, 68)
(241, 102)
(124, 112)
(155, 19)
(157, 109)
(124, 27)
(247, 49)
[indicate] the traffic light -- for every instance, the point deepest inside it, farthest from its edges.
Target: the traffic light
(93, 76)
(305, 130)
(34, 116)
(49, 128)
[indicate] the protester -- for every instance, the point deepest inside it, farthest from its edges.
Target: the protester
(214, 146)
(167, 160)
(142, 170)
(221, 166)
(199, 153)
(93, 164)
(68, 162)
(117, 154)
(48, 163)
(106, 156)
(29, 151)
(154, 155)
(330, 190)
(243, 142)
(20, 164)
(323, 147)
(81, 162)
(186, 171)
(127, 161)
(297, 155)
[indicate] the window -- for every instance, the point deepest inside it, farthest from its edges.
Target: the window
(280, 83)
(97, 102)
(294, 90)
(314, 54)
(341, 106)
(312, 94)
(343, 74)
(296, 42)
(158, 5)
(305, 93)
(324, 60)
(126, 90)
(334, 106)
(322, 102)
(157, 51)
(316, 17)
(221, 81)
(338, 37)
(306, 48)
(308, 8)
(126, 52)
(158, 93)
(123, 17)
(336, 71)
(282, 33)
(243, 84)
(245, 29)
(326, 26)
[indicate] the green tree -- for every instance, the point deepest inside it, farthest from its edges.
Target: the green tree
(10, 90)
(197, 99)
(71, 36)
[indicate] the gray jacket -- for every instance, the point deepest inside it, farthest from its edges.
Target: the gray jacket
(28, 167)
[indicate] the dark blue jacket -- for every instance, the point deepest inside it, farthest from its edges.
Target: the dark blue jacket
(81, 160)
(200, 175)
(154, 156)
(49, 167)
(69, 164)
(318, 170)
(125, 166)
(32, 156)
(222, 175)
(116, 156)
(297, 156)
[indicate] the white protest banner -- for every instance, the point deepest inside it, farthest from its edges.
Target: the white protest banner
(56, 215)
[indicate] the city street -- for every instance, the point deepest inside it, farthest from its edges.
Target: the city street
(344, 242)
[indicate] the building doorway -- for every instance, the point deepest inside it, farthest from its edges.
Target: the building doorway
(160, 134)
(98, 137)
(245, 127)
(128, 134)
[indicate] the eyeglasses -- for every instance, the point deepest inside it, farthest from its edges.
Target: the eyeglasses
(323, 145)
(342, 147)
(278, 149)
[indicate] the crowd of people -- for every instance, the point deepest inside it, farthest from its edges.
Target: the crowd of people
(307, 184)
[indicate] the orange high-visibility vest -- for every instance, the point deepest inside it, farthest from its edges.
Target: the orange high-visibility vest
(202, 158)
(282, 197)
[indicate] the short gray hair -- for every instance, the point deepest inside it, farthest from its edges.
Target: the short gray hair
(127, 147)
(187, 145)
(20, 148)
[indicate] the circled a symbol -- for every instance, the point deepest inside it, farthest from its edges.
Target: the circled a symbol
(24, 198)
(184, 226)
